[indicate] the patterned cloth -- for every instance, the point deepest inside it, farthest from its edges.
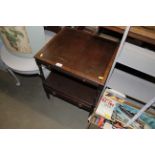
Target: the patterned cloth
(2, 65)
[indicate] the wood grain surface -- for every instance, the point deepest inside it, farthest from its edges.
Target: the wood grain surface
(145, 34)
(81, 54)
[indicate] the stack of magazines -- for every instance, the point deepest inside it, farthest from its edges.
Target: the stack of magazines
(114, 112)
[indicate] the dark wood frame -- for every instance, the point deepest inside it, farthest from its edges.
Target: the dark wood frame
(95, 55)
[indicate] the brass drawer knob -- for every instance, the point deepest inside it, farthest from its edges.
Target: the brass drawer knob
(54, 93)
(80, 105)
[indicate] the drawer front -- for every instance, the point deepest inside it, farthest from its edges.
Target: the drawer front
(138, 58)
(74, 101)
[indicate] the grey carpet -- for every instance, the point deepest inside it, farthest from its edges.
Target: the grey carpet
(28, 107)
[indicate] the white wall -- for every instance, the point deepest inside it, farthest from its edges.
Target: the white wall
(142, 60)
(36, 36)
(139, 58)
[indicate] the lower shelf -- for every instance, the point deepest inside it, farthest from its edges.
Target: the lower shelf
(78, 93)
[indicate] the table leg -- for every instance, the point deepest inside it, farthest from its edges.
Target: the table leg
(15, 77)
(43, 79)
(98, 93)
(41, 71)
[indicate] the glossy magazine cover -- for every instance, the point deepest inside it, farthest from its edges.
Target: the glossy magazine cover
(122, 112)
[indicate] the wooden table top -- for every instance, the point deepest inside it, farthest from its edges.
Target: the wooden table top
(142, 33)
(81, 55)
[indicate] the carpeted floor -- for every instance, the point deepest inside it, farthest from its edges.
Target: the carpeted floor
(28, 107)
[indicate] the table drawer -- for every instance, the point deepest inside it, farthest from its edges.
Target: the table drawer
(80, 94)
(75, 101)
